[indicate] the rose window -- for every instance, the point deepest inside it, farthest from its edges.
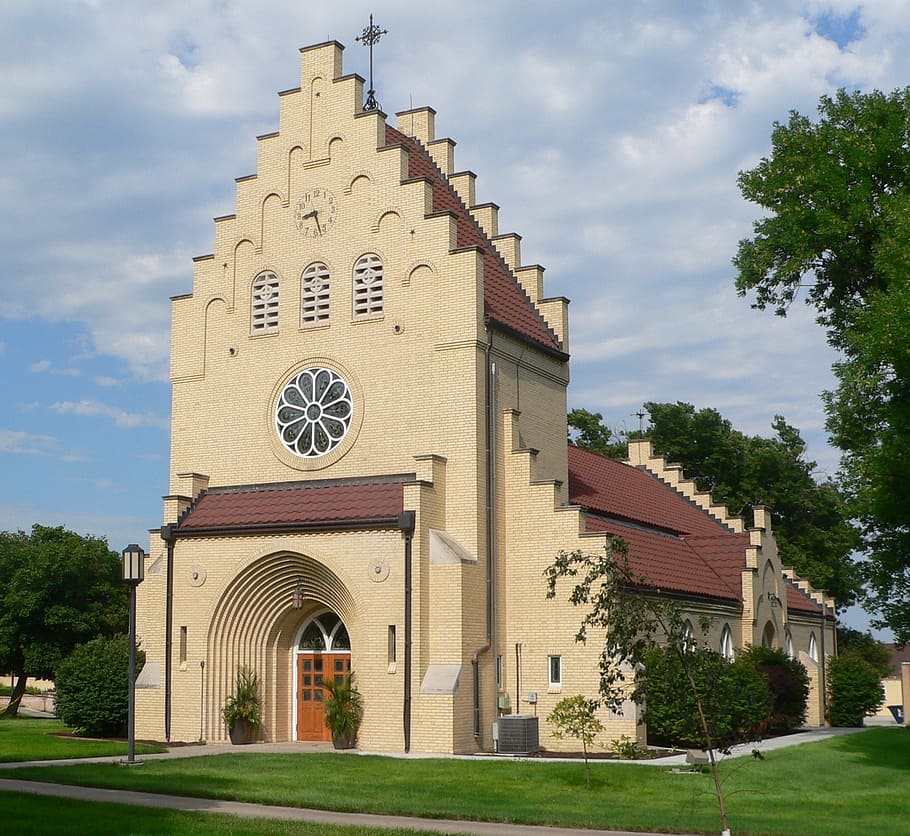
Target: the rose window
(314, 412)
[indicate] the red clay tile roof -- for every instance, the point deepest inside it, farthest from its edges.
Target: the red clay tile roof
(798, 600)
(276, 506)
(673, 564)
(616, 489)
(505, 301)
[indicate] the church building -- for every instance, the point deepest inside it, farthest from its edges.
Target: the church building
(369, 468)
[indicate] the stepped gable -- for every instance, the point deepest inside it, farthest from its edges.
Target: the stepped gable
(616, 489)
(298, 504)
(505, 301)
(672, 564)
(800, 601)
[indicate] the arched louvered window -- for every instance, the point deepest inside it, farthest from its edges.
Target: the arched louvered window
(314, 295)
(264, 304)
(368, 285)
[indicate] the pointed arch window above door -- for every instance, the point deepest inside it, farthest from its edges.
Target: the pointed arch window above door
(325, 633)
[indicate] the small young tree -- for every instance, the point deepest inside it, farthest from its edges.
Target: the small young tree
(575, 717)
(634, 619)
(854, 690)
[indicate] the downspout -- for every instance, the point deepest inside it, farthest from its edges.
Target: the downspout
(821, 668)
(406, 523)
(167, 534)
(490, 461)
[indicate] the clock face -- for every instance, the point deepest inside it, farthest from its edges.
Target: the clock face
(314, 412)
(315, 213)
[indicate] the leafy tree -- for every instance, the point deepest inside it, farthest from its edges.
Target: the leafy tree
(810, 518)
(586, 429)
(867, 647)
(93, 686)
(735, 698)
(575, 717)
(788, 685)
(837, 196)
(854, 690)
(632, 620)
(57, 590)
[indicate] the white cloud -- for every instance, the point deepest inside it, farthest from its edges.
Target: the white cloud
(27, 444)
(121, 417)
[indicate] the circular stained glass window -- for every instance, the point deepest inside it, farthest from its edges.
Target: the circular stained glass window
(313, 413)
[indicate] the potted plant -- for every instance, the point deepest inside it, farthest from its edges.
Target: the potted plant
(343, 711)
(242, 711)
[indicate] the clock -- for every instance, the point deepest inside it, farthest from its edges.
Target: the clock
(315, 213)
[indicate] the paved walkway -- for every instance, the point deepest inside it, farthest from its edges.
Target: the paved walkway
(245, 810)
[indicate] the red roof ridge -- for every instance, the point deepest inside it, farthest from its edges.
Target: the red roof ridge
(620, 489)
(506, 302)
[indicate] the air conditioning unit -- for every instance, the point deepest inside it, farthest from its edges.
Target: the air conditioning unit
(518, 734)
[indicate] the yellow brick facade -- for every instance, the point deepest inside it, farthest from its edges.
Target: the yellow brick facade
(428, 376)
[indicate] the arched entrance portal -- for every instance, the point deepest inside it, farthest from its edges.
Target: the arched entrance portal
(323, 652)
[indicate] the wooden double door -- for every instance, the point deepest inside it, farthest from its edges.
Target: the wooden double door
(312, 670)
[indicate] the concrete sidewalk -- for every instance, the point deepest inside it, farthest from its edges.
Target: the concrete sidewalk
(262, 811)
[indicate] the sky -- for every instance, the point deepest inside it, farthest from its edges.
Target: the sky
(609, 133)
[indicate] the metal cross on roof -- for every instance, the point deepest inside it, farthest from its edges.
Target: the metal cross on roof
(370, 36)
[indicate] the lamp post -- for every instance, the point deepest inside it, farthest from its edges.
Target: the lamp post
(133, 574)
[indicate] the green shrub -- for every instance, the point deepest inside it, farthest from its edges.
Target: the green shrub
(93, 687)
(854, 690)
(627, 749)
(788, 684)
(735, 699)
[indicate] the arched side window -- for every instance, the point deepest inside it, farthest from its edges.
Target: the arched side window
(314, 295)
(813, 648)
(688, 637)
(264, 304)
(726, 642)
(789, 645)
(769, 636)
(368, 285)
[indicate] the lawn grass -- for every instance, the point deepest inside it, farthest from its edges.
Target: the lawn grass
(30, 814)
(844, 785)
(30, 739)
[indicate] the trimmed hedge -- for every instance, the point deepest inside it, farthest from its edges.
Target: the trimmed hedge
(93, 687)
(788, 684)
(854, 690)
(735, 698)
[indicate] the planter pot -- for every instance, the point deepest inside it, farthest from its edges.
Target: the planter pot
(241, 732)
(343, 741)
